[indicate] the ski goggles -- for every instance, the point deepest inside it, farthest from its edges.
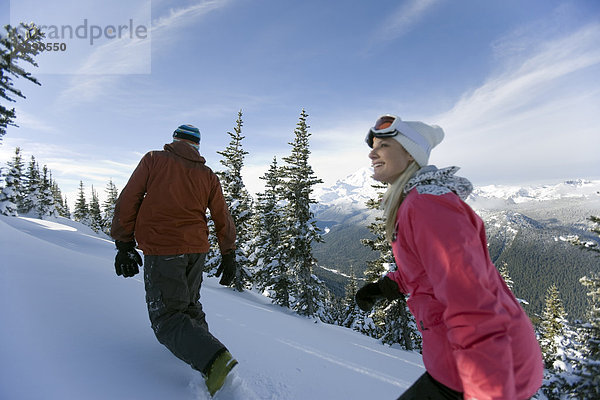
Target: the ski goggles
(389, 125)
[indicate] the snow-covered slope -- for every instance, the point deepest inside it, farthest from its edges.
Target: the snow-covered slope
(71, 329)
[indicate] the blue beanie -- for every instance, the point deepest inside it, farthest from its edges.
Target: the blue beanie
(187, 132)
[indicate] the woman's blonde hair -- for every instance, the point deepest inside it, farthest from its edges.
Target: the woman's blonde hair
(393, 198)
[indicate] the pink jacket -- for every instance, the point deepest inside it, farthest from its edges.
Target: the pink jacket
(476, 337)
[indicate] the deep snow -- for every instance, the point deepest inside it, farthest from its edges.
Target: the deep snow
(71, 329)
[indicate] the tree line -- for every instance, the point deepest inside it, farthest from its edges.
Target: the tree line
(29, 190)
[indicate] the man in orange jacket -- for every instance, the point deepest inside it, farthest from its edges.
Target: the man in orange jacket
(163, 208)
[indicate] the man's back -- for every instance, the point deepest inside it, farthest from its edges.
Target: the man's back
(176, 188)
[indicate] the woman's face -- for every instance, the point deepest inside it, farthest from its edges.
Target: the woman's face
(388, 159)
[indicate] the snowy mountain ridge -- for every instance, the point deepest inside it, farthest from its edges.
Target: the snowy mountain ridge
(357, 188)
(354, 190)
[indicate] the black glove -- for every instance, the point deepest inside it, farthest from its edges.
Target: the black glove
(367, 295)
(389, 288)
(127, 259)
(385, 288)
(228, 268)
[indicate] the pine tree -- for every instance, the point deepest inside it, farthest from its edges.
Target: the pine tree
(61, 207)
(16, 171)
(239, 201)
(552, 325)
(8, 194)
(81, 212)
(557, 342)
(392, 321)
(95, 214)
(66, 209)
(112, 194)
(32, 188)
(337, 311)
(351, 311)
(47, 206)
(503, 270)
(272, 275)
(16, 46)
(379, 244)
(302, 231)
(588, 368)
(556, 337)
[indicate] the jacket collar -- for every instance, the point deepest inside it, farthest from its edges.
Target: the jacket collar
(431, 180)
(184, 150)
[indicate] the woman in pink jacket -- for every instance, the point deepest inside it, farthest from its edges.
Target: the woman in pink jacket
(478, 343)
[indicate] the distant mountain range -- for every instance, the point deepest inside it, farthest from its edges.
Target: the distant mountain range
(524, 224)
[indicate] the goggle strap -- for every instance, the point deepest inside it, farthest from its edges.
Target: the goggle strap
(399, 127)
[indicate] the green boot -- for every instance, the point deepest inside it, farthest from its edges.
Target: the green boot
(218, 371)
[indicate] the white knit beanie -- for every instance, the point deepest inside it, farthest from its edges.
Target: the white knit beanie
(418, 139)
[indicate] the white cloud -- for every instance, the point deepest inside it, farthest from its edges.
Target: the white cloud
(111, 62)
(26, 120)
(534, 117)
(537, 118)
(403, 19)
(177, 17)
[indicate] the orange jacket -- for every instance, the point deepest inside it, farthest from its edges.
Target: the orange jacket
(163, 206)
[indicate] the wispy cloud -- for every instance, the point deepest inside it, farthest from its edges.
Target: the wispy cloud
(178, 17)
(111, 62)
(26, 120)
(403, 19)
(522, 116)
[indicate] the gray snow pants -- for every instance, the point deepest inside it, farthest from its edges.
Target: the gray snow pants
(172, 295)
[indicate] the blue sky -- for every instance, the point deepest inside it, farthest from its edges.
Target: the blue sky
(514, 83)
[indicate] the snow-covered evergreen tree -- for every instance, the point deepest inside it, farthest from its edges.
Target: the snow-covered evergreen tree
(108, 207)
(16, 173)
(399, 326)
(15, 49)
(32, 189)
(351, 311)
(336, 311)
(558, 342)
(213, 257)
(8, 194)
(588, 368)
(46, 201)
(239, 201)
(60, 203)
(301, 232)
(65, 208)
(272, 275)
(81, 212)
(379, 244)
(393, 322)
(95, 214)
(552, 326)
(503, 270)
